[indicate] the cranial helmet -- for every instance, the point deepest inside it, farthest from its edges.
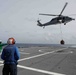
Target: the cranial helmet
(11, 41)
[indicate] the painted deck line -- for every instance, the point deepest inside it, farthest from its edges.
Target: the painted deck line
(24, 53)
(1, 63)
(39, 70)
(41, 54)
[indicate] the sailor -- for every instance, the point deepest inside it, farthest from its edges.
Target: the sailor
(10, 55)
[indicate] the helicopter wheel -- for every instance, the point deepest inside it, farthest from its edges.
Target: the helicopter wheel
(64, 23)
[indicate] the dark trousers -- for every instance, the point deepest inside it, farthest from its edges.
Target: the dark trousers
(9, 69)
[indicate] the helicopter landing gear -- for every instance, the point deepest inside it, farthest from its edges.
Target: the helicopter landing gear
(64, 23)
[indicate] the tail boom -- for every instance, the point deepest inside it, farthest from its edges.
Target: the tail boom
(39, 23)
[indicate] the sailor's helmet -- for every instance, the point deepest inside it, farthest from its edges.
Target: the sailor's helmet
(11, 41)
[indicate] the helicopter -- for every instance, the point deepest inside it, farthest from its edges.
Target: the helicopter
(57, 20)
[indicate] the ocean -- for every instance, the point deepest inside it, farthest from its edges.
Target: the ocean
(25, 45)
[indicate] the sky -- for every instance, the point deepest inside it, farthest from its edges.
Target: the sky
(18, 19)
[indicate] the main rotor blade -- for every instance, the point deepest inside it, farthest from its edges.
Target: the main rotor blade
(72, 15)
(63, 8)
(48, 14)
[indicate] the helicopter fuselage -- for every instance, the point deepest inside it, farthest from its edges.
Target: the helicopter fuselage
(57, 20)
(61, 19)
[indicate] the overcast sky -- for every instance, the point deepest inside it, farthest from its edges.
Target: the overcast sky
(18, 19)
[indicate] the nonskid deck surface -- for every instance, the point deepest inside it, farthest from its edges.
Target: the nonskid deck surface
(46, 61)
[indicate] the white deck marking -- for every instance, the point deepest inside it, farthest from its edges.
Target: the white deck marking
(41, 54)
(64, 52)
(36, 56)
(21, 50)
(24, 53)
(40, 51)
(1, 63)
(39, 70)
(36, 70)
(54, 51)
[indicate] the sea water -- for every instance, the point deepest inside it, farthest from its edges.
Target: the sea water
(25, 45)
